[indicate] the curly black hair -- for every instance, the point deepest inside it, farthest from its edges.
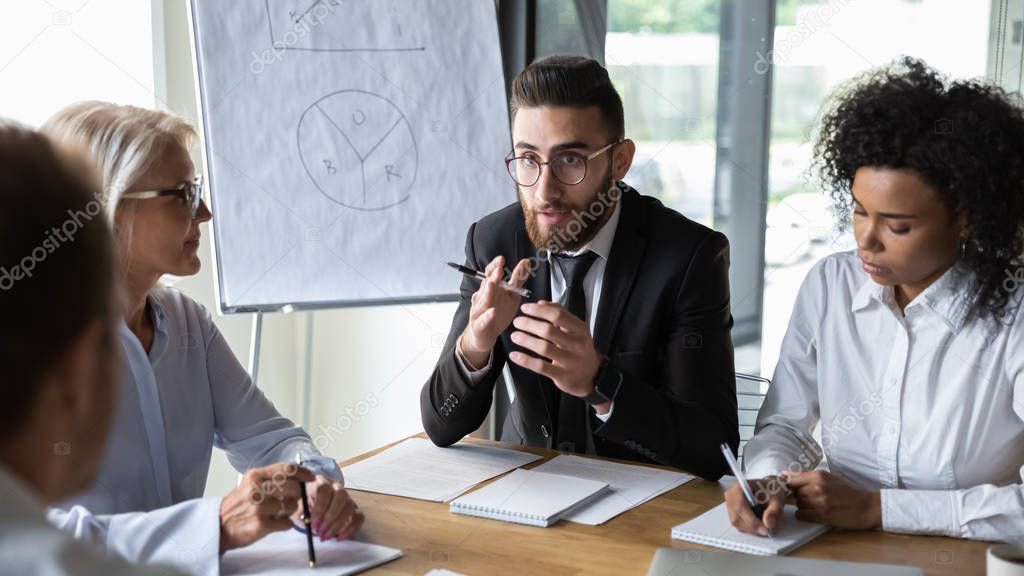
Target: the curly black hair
(965, 138)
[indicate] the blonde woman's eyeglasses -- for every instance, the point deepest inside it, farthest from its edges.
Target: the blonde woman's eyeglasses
(191, 193)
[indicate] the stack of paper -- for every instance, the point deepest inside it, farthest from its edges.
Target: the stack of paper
(629, 485)
(529, 497)
(417, 468)
(713, 528)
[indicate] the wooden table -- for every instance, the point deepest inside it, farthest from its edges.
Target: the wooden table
(432, 537)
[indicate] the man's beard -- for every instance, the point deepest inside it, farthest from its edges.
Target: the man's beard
(581, 227)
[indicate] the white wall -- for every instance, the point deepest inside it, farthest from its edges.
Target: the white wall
(61, 51)
(368, 367)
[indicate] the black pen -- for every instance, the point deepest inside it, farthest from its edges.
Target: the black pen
(478, 274)
(305, 517)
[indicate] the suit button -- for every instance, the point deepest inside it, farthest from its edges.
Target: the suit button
(544, 431)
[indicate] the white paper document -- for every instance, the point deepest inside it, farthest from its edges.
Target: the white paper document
(630, 486)
(284, 553)
(417, 468)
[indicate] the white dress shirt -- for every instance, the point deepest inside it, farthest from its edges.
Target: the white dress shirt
(30, 545)
(187, 395)
(926, 406)
(600, 244)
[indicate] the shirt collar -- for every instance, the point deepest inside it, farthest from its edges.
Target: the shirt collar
(871, 291)
(18, 496)
(601, 243)
(951, 296)
(159, 330)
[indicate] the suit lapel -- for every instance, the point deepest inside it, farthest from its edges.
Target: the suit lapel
(620, 272)
(539, 282)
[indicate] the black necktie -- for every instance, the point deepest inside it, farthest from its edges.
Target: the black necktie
(572, 411)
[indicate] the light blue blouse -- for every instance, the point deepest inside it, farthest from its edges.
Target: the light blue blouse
(186, 396)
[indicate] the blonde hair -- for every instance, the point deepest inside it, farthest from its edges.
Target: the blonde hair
(123, 141)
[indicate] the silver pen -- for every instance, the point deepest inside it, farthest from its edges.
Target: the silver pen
(758, 509)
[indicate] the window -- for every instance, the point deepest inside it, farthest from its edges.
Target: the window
(818, 45)
(663, 59)
(62, 51)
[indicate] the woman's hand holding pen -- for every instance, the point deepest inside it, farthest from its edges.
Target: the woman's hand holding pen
(820, 497)
(492, 310)
(262, 503)
(334, 513)
(770, 492)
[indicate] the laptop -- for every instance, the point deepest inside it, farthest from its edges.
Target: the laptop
(682, 562)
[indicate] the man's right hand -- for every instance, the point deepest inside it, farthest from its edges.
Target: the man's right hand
(492, 310)
(770, 492)
(262, 503)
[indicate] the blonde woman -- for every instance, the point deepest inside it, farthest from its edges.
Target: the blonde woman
(185, 392)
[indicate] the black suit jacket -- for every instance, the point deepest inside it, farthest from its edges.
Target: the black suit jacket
(663, 321)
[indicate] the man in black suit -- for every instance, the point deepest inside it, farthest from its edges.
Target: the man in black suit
(623, 349)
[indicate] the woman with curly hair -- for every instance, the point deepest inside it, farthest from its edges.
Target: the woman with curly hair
(909, 350)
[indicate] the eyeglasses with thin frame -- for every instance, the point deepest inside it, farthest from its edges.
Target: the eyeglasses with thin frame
(190, 192)
(568, 167)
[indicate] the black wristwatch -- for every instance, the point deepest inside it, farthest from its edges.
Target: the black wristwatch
(606, 384)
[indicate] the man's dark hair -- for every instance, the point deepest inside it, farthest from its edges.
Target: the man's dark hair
(573, 81)
(51, 289)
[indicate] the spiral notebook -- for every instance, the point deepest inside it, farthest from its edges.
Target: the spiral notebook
(713, 528)
(528, 497)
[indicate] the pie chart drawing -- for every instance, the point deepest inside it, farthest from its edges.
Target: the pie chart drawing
(358, 150)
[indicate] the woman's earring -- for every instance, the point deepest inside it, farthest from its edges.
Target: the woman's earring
(963, 247)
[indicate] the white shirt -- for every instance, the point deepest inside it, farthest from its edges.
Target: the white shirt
(30, 545)
(600, 244)
(187, 395)
(926, 406)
